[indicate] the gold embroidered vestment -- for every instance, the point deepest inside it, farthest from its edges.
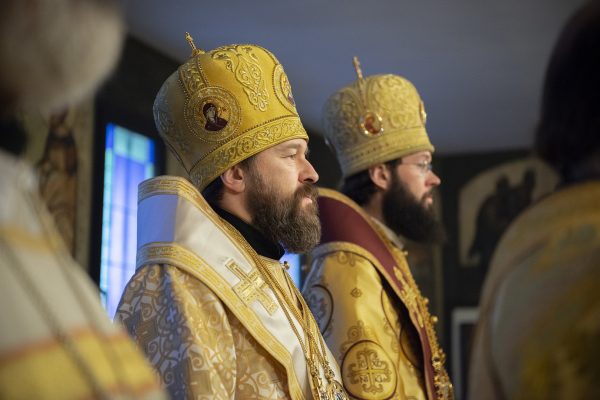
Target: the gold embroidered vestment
(372, 328)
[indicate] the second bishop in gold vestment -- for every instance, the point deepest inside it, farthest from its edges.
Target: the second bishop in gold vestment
(369, 308)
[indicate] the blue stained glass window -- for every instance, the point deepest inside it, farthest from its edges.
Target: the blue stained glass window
(129, 159)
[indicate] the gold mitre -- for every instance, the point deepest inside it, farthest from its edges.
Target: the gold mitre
(373, 120)
(223, 106)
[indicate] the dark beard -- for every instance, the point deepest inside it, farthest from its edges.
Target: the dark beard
(410, 217)
(283, 220)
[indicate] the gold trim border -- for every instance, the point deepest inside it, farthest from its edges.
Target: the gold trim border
(245, 145)
(437, 354)
(381, 148)
(175, 185)
(186, 260)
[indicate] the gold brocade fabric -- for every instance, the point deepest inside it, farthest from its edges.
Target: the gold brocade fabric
(186, 253)
(200, 348)
(223, 106)
(56, 340)
(374, 120)
(278, 272)
(538, 336)
(367, 331)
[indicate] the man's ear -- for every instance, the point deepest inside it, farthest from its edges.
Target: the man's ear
(381, 175)
(235, 179)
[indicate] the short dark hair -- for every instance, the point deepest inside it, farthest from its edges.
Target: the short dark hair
(569, 128)
(213, 192)
(359, 187)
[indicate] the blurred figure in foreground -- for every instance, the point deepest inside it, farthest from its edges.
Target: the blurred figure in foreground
(56, 342)
(539, 331)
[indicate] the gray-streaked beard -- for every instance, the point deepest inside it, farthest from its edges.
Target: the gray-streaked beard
(284, 220)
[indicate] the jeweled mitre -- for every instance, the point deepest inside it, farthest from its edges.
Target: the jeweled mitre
(223, 106)
(373, 120)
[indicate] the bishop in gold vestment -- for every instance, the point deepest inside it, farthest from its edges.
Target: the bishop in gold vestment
(210, 304)
(369, 308)
(199, 306)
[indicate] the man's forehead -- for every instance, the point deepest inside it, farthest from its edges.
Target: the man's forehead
(299, 145)
(292, 144)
